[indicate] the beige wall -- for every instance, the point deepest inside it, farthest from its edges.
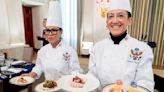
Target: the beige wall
(39, 13)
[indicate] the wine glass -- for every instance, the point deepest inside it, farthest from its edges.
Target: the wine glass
(8, 62)
(2, 58)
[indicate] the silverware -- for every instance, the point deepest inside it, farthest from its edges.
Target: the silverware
(3, 76)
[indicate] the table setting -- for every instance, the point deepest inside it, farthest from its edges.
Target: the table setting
(10, 71)
(12, 67)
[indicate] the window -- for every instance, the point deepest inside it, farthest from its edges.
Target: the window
(69, 20)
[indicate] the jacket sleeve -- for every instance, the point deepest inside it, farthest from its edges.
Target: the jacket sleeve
(74, 66)
(38, 66)
(92, 63)
(144, 74)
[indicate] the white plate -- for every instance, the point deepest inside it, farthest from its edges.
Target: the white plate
(18, 62)
(40, 88)
(10, 71)
(91, 83)
(107, 88)
(14, 80)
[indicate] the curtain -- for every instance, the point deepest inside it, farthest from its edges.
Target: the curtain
(148, 16)
(11, 23)
(4, 27)
(69, 21)
(79, 23)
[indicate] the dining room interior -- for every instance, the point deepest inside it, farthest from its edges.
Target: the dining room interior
(83, 26)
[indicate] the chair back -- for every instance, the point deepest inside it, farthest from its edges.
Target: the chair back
(28, 54)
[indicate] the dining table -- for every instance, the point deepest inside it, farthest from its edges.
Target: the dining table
(6, 86)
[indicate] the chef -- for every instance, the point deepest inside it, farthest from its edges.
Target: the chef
(55, 59)
(120, 56)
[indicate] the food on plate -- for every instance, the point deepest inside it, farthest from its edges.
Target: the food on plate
(22, 80)
(49, 84)
(78, 82)
(119, 85)
(123, 88)
(111, 90)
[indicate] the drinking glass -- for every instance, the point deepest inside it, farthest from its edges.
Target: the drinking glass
(2, 58)
(8, 62)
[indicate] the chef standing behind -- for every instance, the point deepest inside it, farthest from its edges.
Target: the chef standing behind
(120, 56)
(56, 58)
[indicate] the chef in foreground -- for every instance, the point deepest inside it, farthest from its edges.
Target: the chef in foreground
(120, 57)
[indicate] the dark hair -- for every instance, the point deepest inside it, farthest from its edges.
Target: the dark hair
(129, 14)
(44, 18)
(60, 29)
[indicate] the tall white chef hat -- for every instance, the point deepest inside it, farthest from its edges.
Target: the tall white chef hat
(119, 4)
(54, 14)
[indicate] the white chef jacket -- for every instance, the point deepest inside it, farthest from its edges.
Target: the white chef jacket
(127, 61)
(56, 62)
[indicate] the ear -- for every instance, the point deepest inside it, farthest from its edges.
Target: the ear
(130, 21)
(61, 31)
(106, 22)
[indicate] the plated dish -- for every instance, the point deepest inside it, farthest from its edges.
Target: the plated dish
(123, 88)
(21, 80)
(47, 86)
(50, 84)
(78, 83)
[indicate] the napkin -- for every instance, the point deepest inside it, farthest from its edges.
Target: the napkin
(14, 70)
(4, 68)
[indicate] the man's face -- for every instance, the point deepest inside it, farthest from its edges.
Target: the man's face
(117, 22)
(53, 34)
(44, 23)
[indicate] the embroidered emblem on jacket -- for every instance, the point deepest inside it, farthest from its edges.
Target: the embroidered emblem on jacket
(66, 56)
(135, 55)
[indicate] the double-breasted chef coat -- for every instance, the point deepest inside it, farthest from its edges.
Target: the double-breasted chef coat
(130, 60)
(56, 62)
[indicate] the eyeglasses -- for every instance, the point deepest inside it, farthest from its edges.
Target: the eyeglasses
(50, 32)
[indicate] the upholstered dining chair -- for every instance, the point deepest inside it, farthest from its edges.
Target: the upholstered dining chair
(28, 54)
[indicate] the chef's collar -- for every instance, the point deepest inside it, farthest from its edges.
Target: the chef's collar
(117, 39)
(59, 44)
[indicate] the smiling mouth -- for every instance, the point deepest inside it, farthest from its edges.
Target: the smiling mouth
(116, 26)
